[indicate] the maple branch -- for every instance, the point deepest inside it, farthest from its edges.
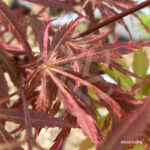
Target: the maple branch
(115, 18)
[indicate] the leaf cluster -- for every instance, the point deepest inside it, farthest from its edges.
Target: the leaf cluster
(58, 75)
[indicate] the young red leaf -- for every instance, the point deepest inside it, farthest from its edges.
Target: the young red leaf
(116, 108)
(84, 120)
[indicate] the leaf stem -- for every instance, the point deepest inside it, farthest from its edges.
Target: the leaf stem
(28, 124)
(115, 18)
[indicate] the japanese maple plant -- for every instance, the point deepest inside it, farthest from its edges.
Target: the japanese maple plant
(58, 75)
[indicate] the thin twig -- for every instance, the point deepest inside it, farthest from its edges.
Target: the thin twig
(115, 18)
(26, 115)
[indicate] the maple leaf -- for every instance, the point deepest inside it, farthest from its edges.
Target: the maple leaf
(56, 65)
(60, 76)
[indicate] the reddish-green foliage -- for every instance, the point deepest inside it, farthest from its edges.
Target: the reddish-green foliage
(66, 73)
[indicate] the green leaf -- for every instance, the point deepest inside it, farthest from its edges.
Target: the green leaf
(86, 144)
(138, 147)
(101, 121)
(125, 80)
(146, 87)
(144, 90)
(100, 124)
(92, 94)
(140, 63)
(145, 19)
(122, 63)
(109, 72)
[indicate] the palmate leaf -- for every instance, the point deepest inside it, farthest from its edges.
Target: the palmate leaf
(38, 119)
(47, 94)
(127, 129)
(84, 120)
(4, 9)
(105, 55)
(116, 108)
(6, 138)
